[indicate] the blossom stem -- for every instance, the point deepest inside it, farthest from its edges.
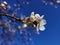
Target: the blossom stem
(7, 15)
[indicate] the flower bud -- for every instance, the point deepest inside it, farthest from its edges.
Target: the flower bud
(25, 25)
(5, 2)
(3, 5)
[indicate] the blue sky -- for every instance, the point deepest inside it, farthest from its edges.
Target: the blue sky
(51, 36)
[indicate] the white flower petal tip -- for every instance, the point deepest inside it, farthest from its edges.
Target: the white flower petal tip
(42, 28)
(42, 17)
(32, 13)
(37, 15)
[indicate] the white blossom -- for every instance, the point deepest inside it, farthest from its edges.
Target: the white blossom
(3, 5)
(25, 25)
(42, 22)
(5, 2)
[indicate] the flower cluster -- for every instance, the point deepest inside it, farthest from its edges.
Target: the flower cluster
(36, 21)
(40, 21)
(5, 5)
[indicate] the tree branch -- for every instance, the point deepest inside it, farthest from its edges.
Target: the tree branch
(7, 15)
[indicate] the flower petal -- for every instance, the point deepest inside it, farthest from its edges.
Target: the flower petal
(42, 22)
(42, 28)
(37, 16)
(32, 13)
(42, 17)
(37, 29)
